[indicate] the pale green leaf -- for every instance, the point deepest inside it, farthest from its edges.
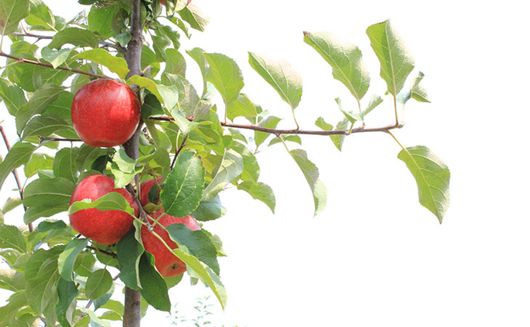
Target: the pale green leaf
(311, 174)
(225, 75)
(261, 192)
(11, 238)
(110, 201)
(17, 156)
(11, 13)
(231, 167)
(115, 64)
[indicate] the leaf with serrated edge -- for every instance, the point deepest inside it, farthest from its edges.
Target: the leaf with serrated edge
(345, 61)
(281, 76)
(432, 177)
(395, 63)
(183, 187)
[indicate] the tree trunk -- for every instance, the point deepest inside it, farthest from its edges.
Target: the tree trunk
(131, 314)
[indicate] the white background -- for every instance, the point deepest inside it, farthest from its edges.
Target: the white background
(375, 257)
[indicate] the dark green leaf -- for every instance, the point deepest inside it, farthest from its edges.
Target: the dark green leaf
(98, 283)
(396, 65)
(432, 177)
(68, 257)
(183, 187)
(67, 292)
(12, 238)
(197, 242)
(345, 60)
(44, 126)
(18, 155)
(49, 192)
(129, 252)
(260, 191)
(154, 289)
(280, 76)
(75, 36)
(101, 19)
(34, 213)
(311, 174)
(43, 97)
(209, 209)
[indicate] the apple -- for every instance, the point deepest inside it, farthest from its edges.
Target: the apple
(105, 227)
(105, 113)
(147, 187)
(167, 264)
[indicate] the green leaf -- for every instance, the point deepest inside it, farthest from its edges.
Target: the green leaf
(269, 122)
(55, 57)
(18, 155)
(183, 187)
(43, 97)
(41, 278)
(197, 242)
(241, 107)
(49, 192)
(116, 65)
(13, 96)
(280, 76)
(396, 65)
(345, 61)
(129, 252)
(75, 36)
(336, 139)
(175, 64)
(209, 209)
(110, 201)
(261, 192)
(11, 238)
(197, 54)
(11, 280)
(10, 204)
(44, 126)
(98, 283)
(193, 17)
(66, 292)
(68, 257)
(40, 17)
(417, 92)
(38, 162)
(11, 13)
(374, 103)
(101, 20)
(154, 289)
(34, 213)
(205, 274)
(123, 168)
(231, 167)
(311, 174)
(64, 164)
(432, 177)
(225, 75)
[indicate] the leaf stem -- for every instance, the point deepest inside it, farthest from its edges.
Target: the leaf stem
(397, 141)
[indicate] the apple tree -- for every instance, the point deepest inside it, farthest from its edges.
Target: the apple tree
(124, 159)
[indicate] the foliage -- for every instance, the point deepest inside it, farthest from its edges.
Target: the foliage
(197, 147)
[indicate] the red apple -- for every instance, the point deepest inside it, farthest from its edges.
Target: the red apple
(106, 227)
(165, 261)
(105, 113)
(145, 189)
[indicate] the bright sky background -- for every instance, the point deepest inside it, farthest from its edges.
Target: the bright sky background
(375, 257)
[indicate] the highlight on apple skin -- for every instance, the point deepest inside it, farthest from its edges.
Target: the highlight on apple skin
(167, 264)
(105, 113)
(105, 227)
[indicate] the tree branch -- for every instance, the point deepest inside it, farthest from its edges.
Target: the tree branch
(49, 37)
(15, 173)
(43, 64)
(277, 132)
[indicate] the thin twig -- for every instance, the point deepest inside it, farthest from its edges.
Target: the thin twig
(43, 64)
(58, 139)
(112, 254)
(178, 150)
(49, 37)
(15, 173)
(277, 132)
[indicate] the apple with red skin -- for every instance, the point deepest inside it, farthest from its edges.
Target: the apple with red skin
(145, 189)
(105, 227)
(167, 264)
(105, 113)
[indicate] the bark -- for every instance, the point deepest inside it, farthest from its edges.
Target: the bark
(131, 314)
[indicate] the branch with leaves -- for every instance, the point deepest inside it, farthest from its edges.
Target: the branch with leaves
(186, 148)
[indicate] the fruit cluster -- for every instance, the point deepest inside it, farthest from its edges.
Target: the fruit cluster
(118, 111)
